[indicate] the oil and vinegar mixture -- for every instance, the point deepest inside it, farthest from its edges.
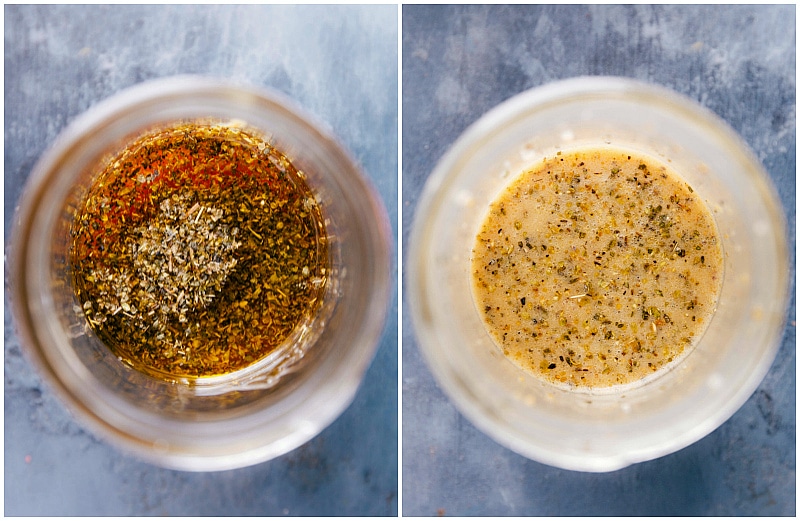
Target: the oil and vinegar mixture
(197, 251)
(596, 268)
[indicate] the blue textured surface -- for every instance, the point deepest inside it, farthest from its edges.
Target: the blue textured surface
(339, 63)
(460, 61)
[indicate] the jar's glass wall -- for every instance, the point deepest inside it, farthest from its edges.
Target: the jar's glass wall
(252, 415)
(591, 431)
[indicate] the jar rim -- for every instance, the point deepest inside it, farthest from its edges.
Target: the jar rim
(491, 409)
(337, 377)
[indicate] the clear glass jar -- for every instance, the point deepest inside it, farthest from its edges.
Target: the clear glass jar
(608, 430)
(224, 422)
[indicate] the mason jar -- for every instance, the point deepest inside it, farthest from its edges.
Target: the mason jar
(599, 430)
(222, 422)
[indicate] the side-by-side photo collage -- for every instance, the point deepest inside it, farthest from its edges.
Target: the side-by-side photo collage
(389, 260)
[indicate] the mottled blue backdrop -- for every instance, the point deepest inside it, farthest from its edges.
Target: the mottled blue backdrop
(340, 64)
(460, 61)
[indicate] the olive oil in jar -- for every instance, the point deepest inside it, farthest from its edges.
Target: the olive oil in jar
(197, 251)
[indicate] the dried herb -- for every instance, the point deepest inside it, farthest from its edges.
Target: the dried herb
(197, 251)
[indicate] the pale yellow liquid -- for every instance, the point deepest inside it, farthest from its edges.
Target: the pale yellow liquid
(597, 268)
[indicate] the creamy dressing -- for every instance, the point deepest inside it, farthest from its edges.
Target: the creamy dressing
(596, 268)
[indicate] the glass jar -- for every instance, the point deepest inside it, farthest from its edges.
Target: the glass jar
(609, 429)
(223, 422)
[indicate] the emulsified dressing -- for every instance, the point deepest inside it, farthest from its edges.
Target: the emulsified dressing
(596, 268)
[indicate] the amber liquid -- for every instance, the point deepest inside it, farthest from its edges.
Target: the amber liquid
(197, 251)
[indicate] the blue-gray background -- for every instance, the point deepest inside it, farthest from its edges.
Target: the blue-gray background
(340, 64)
(460, 61)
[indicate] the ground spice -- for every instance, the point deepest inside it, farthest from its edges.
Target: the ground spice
(197, 251)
